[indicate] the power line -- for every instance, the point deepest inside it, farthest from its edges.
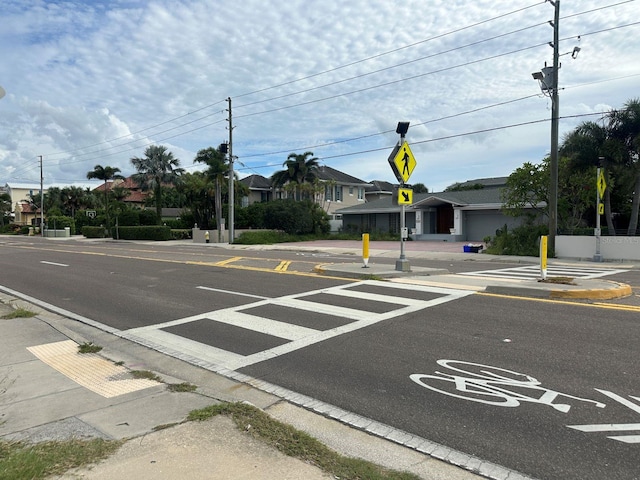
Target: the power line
(302, 78)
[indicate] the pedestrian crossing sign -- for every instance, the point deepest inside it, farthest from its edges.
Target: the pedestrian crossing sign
(402, 162)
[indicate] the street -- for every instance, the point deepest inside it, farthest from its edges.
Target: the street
(545, 388)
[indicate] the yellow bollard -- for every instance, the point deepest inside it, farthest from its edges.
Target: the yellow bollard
(543, 257)
(206, 236)
(365, 249)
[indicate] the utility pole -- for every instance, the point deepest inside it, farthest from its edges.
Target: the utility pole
(41, 199)
(555, 114)
(231, 178)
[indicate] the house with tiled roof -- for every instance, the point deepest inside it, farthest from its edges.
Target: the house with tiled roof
(468, 211)
(135, 197)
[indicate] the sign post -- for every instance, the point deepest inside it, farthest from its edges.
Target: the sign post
(601, 185)
(402, 164)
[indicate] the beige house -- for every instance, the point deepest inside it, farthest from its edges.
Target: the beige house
(337, 190)
(20, 194)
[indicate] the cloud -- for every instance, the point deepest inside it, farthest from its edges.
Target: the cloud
(96, 82)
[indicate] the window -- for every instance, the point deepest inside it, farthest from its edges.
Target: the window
(338, 197)
(351, 191)
(328, 193)
(360, 193)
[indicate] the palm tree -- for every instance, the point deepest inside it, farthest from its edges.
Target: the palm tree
(105, 173)
(625, 130)
(218, 170)
(299, 169)
(157, 168)
(584, 147)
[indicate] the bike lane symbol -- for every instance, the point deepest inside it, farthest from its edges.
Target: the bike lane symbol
(495, 386)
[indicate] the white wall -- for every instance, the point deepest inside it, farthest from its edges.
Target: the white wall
(611, 248)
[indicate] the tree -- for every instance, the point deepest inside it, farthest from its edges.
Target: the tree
(105, 174)
(420, 188)
(5, 207)
(527, 190)
(585, 146)
(157, 168)
(624, 127)
(299, 170)
(198, 193)
(217, 172)
(527, 193)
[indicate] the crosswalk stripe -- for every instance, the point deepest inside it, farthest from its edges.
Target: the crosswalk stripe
(533, 271)
(298, 336)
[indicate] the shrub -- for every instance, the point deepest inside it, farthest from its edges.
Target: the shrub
(142, 232)
(181, 234)
(61, 222)
(94, 232)
(295, 217)
(148, 217)
(522, 240)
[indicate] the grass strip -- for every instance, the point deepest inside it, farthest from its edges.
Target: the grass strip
(20, 461)
(298, 444)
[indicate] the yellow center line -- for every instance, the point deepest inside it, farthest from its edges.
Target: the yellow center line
(284, 265)
(609, 306)
(222, 263)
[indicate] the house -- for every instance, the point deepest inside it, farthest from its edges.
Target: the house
(260, 189)
(378, 189)
(135, 197)
(25, 214)
(340, 189)
(468, 211)
(20, 194)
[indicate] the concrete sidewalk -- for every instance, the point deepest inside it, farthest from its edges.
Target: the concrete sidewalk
(54, 393)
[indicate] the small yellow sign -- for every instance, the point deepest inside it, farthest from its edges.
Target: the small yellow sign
(601, 209)
(602, 185)
(405, 196)
(404, 163)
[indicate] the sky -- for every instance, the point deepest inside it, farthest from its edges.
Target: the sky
(96, 82)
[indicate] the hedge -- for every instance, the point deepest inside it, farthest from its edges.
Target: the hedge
(142, 232)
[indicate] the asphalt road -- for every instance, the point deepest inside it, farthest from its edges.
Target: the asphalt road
(548, 389)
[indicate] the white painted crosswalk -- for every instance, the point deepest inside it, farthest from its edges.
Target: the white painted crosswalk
(327, 313)
(531, 272)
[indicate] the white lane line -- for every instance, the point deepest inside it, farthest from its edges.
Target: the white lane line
(232, 292)
(606, 427)
(54, 263)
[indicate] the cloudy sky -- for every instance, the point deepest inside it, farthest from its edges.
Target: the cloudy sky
(97, 81)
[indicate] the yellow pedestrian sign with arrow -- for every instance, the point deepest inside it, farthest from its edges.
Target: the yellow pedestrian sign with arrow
(402, 162)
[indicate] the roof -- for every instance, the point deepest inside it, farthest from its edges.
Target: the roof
(492, 182)
(379, 186)
(473, 199)
(326, 173)
(256, 182)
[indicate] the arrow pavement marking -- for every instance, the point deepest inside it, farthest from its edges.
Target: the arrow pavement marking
(615, 427)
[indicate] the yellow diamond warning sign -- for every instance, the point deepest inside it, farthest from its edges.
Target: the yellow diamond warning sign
(602, 185)
(402, 162)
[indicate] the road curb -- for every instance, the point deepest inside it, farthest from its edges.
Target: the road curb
(617, 290)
